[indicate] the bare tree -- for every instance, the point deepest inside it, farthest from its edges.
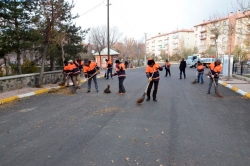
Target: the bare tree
(215, 27)
(98, 37)
(231, 36)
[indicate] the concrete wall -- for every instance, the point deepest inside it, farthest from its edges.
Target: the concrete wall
(28, 80)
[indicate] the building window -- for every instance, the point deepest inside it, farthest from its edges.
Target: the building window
(224, 39)
(224, 23)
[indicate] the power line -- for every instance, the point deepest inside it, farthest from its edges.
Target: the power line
(92, 9)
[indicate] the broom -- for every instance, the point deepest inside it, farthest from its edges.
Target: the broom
(196, 75)
(107, 89)
(63, 83)
(75, 88)
(218, 93)
(141, 99)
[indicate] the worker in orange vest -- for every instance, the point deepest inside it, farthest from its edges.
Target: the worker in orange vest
(215, 69)
(120, 72)
(109, 68)
(67, 70)
(200, 70)
(153, 75)
(75, 73)
(90, 70)
(167, 68)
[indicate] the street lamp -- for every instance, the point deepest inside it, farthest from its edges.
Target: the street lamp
(145, 56)
(108, 29)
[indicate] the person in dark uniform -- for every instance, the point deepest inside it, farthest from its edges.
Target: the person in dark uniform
(182, 68)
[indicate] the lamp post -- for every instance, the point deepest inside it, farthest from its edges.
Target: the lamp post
(145, 58)
(108, 29)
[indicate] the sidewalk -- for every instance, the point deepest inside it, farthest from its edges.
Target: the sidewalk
(238, 84)
(13, 95)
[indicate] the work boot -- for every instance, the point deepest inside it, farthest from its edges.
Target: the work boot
(148, 98)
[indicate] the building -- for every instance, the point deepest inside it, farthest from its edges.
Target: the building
(221, 35)
(171, 43)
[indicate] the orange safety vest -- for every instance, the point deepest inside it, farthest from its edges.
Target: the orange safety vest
(154, 69)
(90, 69)
(120, 70)
(67, 68)
(216, 69)
(109, 64)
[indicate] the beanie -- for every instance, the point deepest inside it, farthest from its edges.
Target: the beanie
(151, 61)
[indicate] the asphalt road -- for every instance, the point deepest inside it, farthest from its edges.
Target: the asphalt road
(186, 127)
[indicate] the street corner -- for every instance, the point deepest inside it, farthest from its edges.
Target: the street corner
(9, 99)
(247, 95)
(235, 89)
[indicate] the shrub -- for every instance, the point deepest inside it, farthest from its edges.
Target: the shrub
(29, 67)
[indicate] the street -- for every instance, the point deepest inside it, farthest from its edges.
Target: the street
(185, 127)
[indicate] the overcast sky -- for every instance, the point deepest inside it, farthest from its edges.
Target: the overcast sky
(133, 18)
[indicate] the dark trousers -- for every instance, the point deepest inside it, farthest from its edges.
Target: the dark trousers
(156, 83)
(182, 71)
(95, 81)
(211, 81)
(121, 87)
(167, 71)
(109, 71)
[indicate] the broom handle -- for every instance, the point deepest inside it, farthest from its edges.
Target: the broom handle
(213, 79)
(92, 75)
(149, 82)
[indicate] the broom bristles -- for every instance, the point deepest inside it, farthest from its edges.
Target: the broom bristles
(194, 82)
(218, 93)
(107, 90)
(141, 99)
(73, 90)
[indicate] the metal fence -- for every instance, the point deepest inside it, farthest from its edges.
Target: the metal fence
(241, 68)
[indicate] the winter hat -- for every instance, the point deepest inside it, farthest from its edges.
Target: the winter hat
(70, 61)
(151, 61)
(117, 61)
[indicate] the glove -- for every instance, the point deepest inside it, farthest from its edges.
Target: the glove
(150, 79)
(86, 75)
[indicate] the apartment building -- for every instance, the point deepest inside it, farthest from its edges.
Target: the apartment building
(171, 43)
(225, 33)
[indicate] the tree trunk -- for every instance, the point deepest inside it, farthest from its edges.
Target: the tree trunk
(42, 64)
(62, 53)
(52, 63)
(19, 69)
(216, 51)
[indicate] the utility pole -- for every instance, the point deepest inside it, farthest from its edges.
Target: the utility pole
(145, 56)
(108, 29)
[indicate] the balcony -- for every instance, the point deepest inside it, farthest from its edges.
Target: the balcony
(203, 36)
(166, 43)
(175, 36)
(212, 43)
(212, 36)
(203, 30)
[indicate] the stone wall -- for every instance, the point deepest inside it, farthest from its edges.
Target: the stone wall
(28, 80)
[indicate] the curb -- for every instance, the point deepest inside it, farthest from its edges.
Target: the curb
(37, 92)
(237, 90)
